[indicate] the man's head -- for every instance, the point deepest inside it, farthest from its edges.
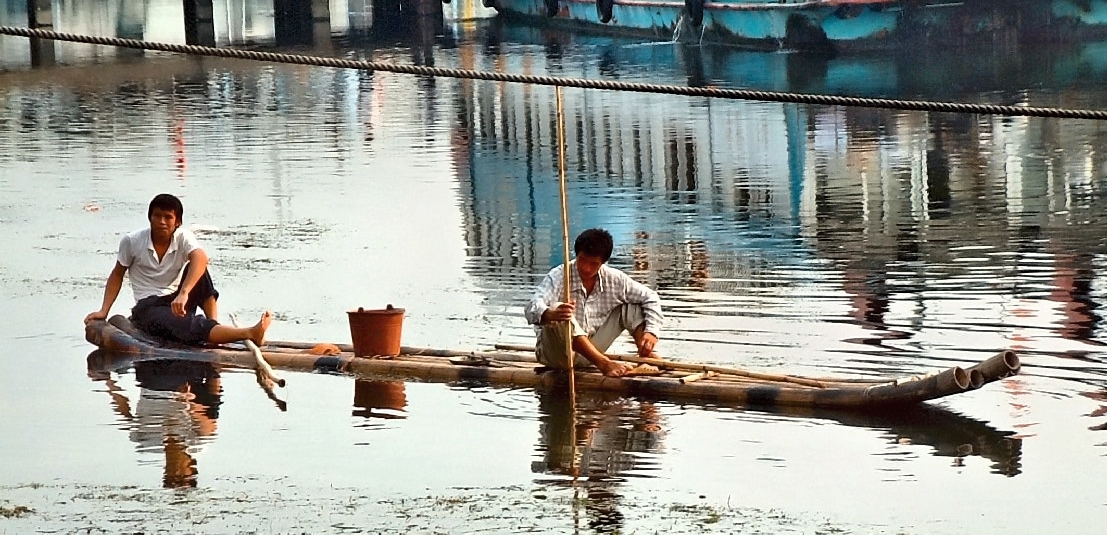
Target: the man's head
(593, 249)
(165, 214)
(595, 242)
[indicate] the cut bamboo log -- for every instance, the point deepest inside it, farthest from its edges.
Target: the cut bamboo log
(672, 365)
(263, 367)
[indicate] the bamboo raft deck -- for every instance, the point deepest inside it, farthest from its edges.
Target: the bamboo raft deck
(510, 367)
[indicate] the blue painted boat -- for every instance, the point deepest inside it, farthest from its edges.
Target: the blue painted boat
(827, 24)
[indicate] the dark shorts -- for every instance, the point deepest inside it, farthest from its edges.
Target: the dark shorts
(154, 314)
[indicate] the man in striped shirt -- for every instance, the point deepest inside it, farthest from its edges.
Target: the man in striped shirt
(603, 303)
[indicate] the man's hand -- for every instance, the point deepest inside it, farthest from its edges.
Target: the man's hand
(646, 345)
(98, 315)
(178, 304)
(562, 312)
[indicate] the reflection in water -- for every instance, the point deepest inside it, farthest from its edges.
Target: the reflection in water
(609, 439)
(1100, 412)
(890, 224)
(175, 413)
(604, 441)
(379, 399)
(1073, 288)
(949, 433)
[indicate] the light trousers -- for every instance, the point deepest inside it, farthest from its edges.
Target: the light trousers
(551, 346)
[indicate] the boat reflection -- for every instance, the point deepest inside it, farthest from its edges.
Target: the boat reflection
(175, 413)
(949, 433)
(616, 436)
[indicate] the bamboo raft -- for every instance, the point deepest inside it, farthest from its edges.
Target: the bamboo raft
(510, 366)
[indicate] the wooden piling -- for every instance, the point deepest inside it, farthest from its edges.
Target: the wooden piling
(199, 22)
(40, 15)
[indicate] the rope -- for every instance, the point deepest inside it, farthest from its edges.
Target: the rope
(711, 92)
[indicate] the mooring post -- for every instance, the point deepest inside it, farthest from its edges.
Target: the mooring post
(40, 14)
(199, 21)
(321, 22)
(393, 17)
(302, 22)
(131, 21)
(429, 25)
(428, 8)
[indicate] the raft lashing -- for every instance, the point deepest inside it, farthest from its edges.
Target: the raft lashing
(119, 337)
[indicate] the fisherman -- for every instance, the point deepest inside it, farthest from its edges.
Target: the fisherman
(170, 279)
(604, 303)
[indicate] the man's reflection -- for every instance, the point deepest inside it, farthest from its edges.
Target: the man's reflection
(599, 444)
(176, 411)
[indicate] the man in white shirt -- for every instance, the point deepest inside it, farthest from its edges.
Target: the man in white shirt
(604, 303)
(170, 280)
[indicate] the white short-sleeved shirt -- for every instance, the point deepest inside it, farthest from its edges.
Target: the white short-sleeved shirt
(149, 274)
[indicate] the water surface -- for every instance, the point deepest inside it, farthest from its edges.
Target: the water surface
(782, 238)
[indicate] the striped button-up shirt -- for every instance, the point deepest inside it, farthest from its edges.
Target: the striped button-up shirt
(613, 289)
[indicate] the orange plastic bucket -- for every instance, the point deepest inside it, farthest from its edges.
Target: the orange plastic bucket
(376, 332)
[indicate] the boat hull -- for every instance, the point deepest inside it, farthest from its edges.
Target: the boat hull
(119, 338)
(828, 24)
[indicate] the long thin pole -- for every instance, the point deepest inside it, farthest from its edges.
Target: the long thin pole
(567, 294)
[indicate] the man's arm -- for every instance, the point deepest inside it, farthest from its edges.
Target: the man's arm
(544, 295)
(198, 265)
(638, 293)
(111, 292)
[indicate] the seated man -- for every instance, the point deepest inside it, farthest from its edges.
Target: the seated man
(604, 303)
(170, 280)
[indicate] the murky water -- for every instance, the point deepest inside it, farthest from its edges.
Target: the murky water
(783, 238)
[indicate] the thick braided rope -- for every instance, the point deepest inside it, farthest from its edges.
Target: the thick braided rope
(713, 92)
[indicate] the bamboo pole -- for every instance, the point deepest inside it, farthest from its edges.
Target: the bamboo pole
(686, 366)
(566, 295)
(672, 365)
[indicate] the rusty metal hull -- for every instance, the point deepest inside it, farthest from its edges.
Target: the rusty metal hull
(119, 338)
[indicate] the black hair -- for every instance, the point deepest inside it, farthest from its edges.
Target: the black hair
(595, 242)
(169, 202)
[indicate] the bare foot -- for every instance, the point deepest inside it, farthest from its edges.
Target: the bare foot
(642, 370)
(257, 332)
(614, 369)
